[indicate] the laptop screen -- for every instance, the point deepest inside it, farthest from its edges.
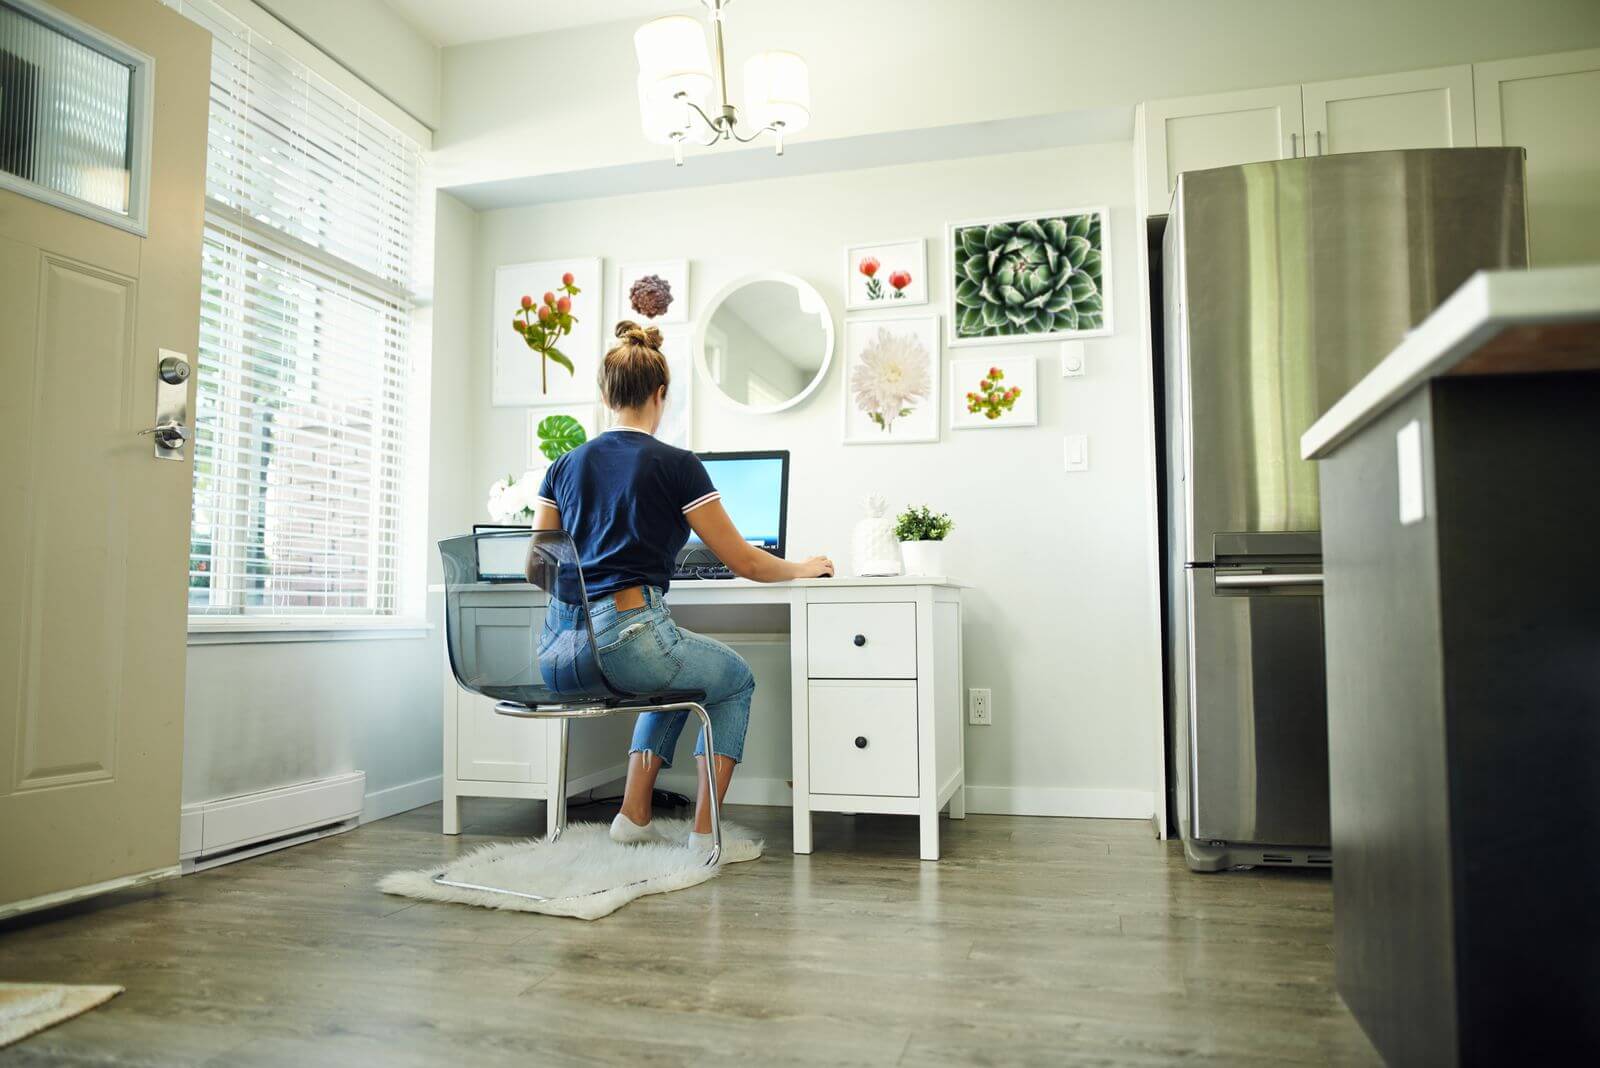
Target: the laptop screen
(753, 488)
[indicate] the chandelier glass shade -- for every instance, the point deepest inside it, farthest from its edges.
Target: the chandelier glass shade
(683, 87)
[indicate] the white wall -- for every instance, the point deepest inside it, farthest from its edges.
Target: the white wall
(565, 100)
(1059, 617)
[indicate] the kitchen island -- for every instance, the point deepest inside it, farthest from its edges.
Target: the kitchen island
(1460, 491)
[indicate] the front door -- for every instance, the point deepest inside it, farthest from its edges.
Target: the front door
(93, 525)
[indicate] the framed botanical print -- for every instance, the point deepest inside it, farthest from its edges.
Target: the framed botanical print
(886, 276)
(891, 385)
(994, 393)
(565, 374)
(1029, 277)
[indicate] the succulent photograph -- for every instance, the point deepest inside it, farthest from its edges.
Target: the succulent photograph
(651, 296)
(1028, 278)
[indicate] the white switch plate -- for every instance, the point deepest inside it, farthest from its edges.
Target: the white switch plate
(980, 707)
(1408, 452)
(1075, 450)
(1072, 359)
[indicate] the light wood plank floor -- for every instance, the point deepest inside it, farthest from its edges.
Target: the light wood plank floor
(1035, 941)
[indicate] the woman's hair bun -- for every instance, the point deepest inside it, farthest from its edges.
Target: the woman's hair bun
(631, 332)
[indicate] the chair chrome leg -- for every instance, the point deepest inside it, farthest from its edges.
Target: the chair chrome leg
(558, 789)
(711, 787)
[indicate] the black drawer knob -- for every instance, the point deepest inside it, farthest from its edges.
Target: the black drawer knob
(860, 640)
(861, 741)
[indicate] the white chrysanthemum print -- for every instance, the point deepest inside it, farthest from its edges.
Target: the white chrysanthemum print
(890, 377)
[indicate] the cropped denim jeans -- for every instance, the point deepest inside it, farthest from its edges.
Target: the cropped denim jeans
(643, 651)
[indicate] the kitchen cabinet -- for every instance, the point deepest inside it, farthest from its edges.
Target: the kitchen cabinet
(1198, 132)
(1414, 109)
(1417, 109)
(1550, 105)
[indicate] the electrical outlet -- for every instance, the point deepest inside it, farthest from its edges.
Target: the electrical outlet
(980, 707)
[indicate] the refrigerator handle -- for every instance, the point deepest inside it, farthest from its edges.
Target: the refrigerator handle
(1256, 580)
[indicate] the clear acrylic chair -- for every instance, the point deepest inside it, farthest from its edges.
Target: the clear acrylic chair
(562, 681)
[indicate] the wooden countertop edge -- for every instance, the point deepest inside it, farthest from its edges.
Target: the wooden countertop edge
(1484, 306)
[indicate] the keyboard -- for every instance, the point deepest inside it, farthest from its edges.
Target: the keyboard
(702, 571)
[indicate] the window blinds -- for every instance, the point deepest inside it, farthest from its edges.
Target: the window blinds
(305, 360)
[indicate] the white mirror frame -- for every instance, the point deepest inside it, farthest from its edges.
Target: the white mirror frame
(704, 324)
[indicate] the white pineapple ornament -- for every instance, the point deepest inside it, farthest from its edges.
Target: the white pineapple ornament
(874, 550)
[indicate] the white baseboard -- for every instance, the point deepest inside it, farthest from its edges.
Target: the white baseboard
(381, 804)
(741, 791)
(1061, 801)
(616, 773)
(993, 800)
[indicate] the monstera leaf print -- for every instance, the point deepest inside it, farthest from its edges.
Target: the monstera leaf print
(559, 435)
(1041, 276)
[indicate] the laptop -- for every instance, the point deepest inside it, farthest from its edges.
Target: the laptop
(755, 493)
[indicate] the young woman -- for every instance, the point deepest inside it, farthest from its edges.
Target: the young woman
(629, 502)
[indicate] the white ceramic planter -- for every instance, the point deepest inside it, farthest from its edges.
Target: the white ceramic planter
(925, 558)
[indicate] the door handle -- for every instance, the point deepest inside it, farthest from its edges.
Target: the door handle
(1258, 580)
(168, 435)
(1294, 145)
(1319, 142)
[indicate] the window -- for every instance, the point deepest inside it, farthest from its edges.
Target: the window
(307, 387)
(73, 107)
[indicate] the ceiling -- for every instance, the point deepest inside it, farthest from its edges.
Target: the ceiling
(462, 21)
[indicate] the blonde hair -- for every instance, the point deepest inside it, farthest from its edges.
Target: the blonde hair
(634, 368)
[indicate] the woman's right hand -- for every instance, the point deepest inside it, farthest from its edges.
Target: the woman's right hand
(815, 567)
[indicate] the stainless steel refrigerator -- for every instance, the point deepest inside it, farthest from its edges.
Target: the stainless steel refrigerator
(1285, 282)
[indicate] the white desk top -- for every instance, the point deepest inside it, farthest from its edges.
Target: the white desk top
(1498, 322)
(701, 585)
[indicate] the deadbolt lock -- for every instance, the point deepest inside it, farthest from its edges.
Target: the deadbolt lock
(174, 370)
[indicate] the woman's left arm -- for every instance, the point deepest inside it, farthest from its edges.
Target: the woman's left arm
(546, 517)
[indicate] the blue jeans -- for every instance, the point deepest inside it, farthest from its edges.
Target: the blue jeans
(643, 651)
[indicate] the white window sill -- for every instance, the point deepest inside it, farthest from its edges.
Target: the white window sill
(245, 630)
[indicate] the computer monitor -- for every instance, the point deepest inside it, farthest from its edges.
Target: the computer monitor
(503, 557)
(755, 492)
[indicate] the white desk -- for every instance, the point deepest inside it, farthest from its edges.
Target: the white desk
(875, 700)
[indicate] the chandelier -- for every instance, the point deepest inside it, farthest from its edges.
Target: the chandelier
(676, 82)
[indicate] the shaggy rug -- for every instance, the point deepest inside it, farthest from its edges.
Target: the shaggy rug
(584, 874)
(28, 1008)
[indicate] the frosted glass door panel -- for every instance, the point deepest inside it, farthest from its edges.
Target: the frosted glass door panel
(65, 113)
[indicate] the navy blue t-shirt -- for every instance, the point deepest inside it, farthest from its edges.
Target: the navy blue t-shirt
(625, 499)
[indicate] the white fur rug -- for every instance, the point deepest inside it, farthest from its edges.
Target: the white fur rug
(585, 874)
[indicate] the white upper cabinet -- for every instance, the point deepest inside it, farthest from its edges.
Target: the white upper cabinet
(1417, 109)
(1550, 105)
(1198, 132)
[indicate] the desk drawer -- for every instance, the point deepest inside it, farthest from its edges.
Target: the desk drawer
(864, 738)
(862, 641)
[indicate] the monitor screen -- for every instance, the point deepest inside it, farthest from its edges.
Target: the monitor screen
(501, 558)
(753, 487)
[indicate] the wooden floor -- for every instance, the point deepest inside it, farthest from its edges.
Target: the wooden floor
(1035, 941)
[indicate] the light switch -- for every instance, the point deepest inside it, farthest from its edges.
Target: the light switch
(1408, 451)
(1076, 448)
(1072, 359)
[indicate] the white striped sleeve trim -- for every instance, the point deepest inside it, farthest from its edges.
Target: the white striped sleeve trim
(698, 501)
(547, 500)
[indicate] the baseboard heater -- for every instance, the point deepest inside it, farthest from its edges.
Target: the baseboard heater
(234, 828)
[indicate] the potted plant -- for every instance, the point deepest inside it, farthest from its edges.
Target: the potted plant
(922, 533)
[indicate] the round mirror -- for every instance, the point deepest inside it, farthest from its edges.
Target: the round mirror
(765, 342)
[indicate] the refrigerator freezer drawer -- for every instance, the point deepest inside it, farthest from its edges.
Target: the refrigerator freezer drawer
(1258, 734)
